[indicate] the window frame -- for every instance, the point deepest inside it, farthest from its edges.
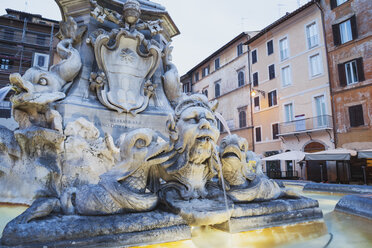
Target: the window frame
(196, 76)
(242, 121)
(269, 74)
(272, 131)
(320, 65)
(254, 82)
(274, 102)
(272, 47)
(280, 48)
(258, 107)
(352, 112)
(307, 33)
(284, 112)
(282, 75)
(336, 31)
(256, 56)
(239, 49)
(343, 81)
(217, 83)
(205, 71)
(217, 64)
(255, 134)
(240, 72)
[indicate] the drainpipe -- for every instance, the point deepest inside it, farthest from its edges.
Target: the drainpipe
(250, 90)
(329, 76)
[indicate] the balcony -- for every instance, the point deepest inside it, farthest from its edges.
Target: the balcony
(306, 125)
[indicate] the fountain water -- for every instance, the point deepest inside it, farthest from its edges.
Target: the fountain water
(4, 92)
(223, 121)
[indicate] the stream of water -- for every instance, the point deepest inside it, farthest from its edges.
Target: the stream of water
(4, 91)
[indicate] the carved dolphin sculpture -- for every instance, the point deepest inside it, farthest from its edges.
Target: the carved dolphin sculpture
(41, 87)
(120, 190)
(243, 174)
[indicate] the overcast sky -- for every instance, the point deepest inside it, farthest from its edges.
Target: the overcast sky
(205, 25)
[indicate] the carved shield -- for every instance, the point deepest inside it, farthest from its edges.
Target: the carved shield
(128, 62)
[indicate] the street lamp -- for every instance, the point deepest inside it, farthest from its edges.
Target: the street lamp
(255, 91)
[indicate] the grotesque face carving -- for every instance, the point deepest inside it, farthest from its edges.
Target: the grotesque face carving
(197, 129)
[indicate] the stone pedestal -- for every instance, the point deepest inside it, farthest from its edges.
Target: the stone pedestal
(97, 231)
(250, 216)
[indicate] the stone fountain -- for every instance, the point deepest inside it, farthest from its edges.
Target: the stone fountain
(110, 151)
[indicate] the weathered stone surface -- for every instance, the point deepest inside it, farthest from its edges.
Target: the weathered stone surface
(250, 216)
(94, 231)
(360, 205)
(338, 188)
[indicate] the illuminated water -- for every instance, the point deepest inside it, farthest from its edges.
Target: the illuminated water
(340, 230)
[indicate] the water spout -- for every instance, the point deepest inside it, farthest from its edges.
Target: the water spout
(223, 185)
(3, 92)
(223, 122)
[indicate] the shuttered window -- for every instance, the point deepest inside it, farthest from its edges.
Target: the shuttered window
(254, 56)
(257, 103)
(255, 79)
(239, 49)
(356, 115)
(275, 128)
(217, 63)
(258, 134)
(217, 90)
(240, 78)
(270, 47)
(345, 31)
(272, 98)
(271, 72)
(242, 119)
(351, 72)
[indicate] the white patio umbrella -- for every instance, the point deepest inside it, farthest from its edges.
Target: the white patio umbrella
(292, 155)
(365, 153)
(332, 154)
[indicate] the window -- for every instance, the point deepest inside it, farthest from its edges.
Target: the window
(320, 111)
(356, 115)
(217, 63)
(345, 31)
(254, 56)
(196, 76)
(284, 51)
(240, 78)
(217, 90)
(258, 134)
(351, 72)
(41, 60)
(205, 92)
(312, 35)
(205, 71)
(186, 87)
(315, 65)
(271, 72)
(239, 49)
(5, 64)
(242, 119)
(270, 47)
(272, 98)
(335, 3)
(286, 76)
(275, 129)
(257, 103)
(255, 79)
(288, 111)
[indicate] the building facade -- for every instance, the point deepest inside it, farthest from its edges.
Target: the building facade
(26, 40)
(348, 29)
(292, 105)
(223, 76)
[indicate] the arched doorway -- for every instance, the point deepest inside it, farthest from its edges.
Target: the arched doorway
(316, 170)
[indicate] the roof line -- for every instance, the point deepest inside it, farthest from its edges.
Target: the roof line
(218, 51)
(280, 20)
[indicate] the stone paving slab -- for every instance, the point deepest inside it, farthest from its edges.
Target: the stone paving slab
(360, 205)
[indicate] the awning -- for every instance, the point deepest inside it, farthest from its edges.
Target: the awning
(331, 155)
(292, 155)
(365, 154)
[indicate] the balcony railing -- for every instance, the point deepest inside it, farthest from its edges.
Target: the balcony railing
(320, 122)
(15, 35)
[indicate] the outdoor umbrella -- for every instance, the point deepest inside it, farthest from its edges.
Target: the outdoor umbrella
(292, 155)
(332, 154)
(365, 154)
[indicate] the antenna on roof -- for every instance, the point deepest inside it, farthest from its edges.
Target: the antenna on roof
(279, 9)
(26, 5)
